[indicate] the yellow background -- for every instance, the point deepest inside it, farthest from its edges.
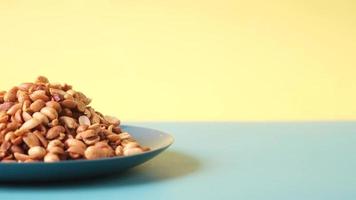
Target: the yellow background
(189, 60)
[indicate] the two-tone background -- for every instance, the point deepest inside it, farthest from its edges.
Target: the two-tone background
(189, 60)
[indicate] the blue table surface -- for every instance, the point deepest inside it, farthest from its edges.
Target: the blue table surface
(250, 161)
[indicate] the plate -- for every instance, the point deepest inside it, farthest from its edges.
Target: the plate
(77, 169)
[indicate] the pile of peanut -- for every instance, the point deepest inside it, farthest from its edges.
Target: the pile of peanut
(49, 122)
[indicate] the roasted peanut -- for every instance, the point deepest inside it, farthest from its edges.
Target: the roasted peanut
(75, 142)
(2, 126)
(37, 105)
(69, 97)
(17, 140)
(54, 122)
(69, 122)
(30, 124)
(112, 120)
(132, 151)
(82, 128)
(26, 116)
(130, 145)
(11, 94)
(41, 117)
(69, 104)
(41, 138)
(89, 137)
(2, 94)
(57, 92)
(55, 143)
(55, 105)
(94, 152)
(9, 136)
(26, 105)
(5, 146)
(4, 118)
(31, 140)
(41, 79)
(18, 116)
(49, 122)
(84, 120)
(81, 106)
(39, 94)
(6, 106)
(119, 151)
(16, 149)
(54, 132)
(67, 112)
(22, 96)
(124, 135)
(51, 157)
(21, 157)
(14, 109)
(50, 112)
(75, 151)
(113, 137)
(37, 152)
(56, 150)
(25, 86)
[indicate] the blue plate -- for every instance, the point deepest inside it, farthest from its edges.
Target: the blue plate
(78, 169)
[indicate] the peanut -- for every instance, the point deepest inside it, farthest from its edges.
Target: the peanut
(37, 105)
(50, 112)
(4, 118)
(82, 128)
(55, 143)
(26, 105)
(81, 106)
(14, 109)
(41, 138)
(51, 157)
(25, 86)
(41, 79)
(6, 106)
(22, 96)
(16, 149)
(55, 105)
(75, 151)
(94, 152)
(31, 140)
(56, 150)
(37, 152)
(54, 132)
(119, 151)
(18, 116)
(30, 124)
(112, 120)
(11, 95)
(41, 117)
(69, 122)
(113, 137)
(69, 103)
(75, 142)
(124, 136)
(49, 122)
(84, 120)
(39, 94)
(132, 151)
(130, 145)
(26, 116)
(21, 157)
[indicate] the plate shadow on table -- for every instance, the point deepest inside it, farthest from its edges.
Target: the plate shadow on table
(167, 166)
